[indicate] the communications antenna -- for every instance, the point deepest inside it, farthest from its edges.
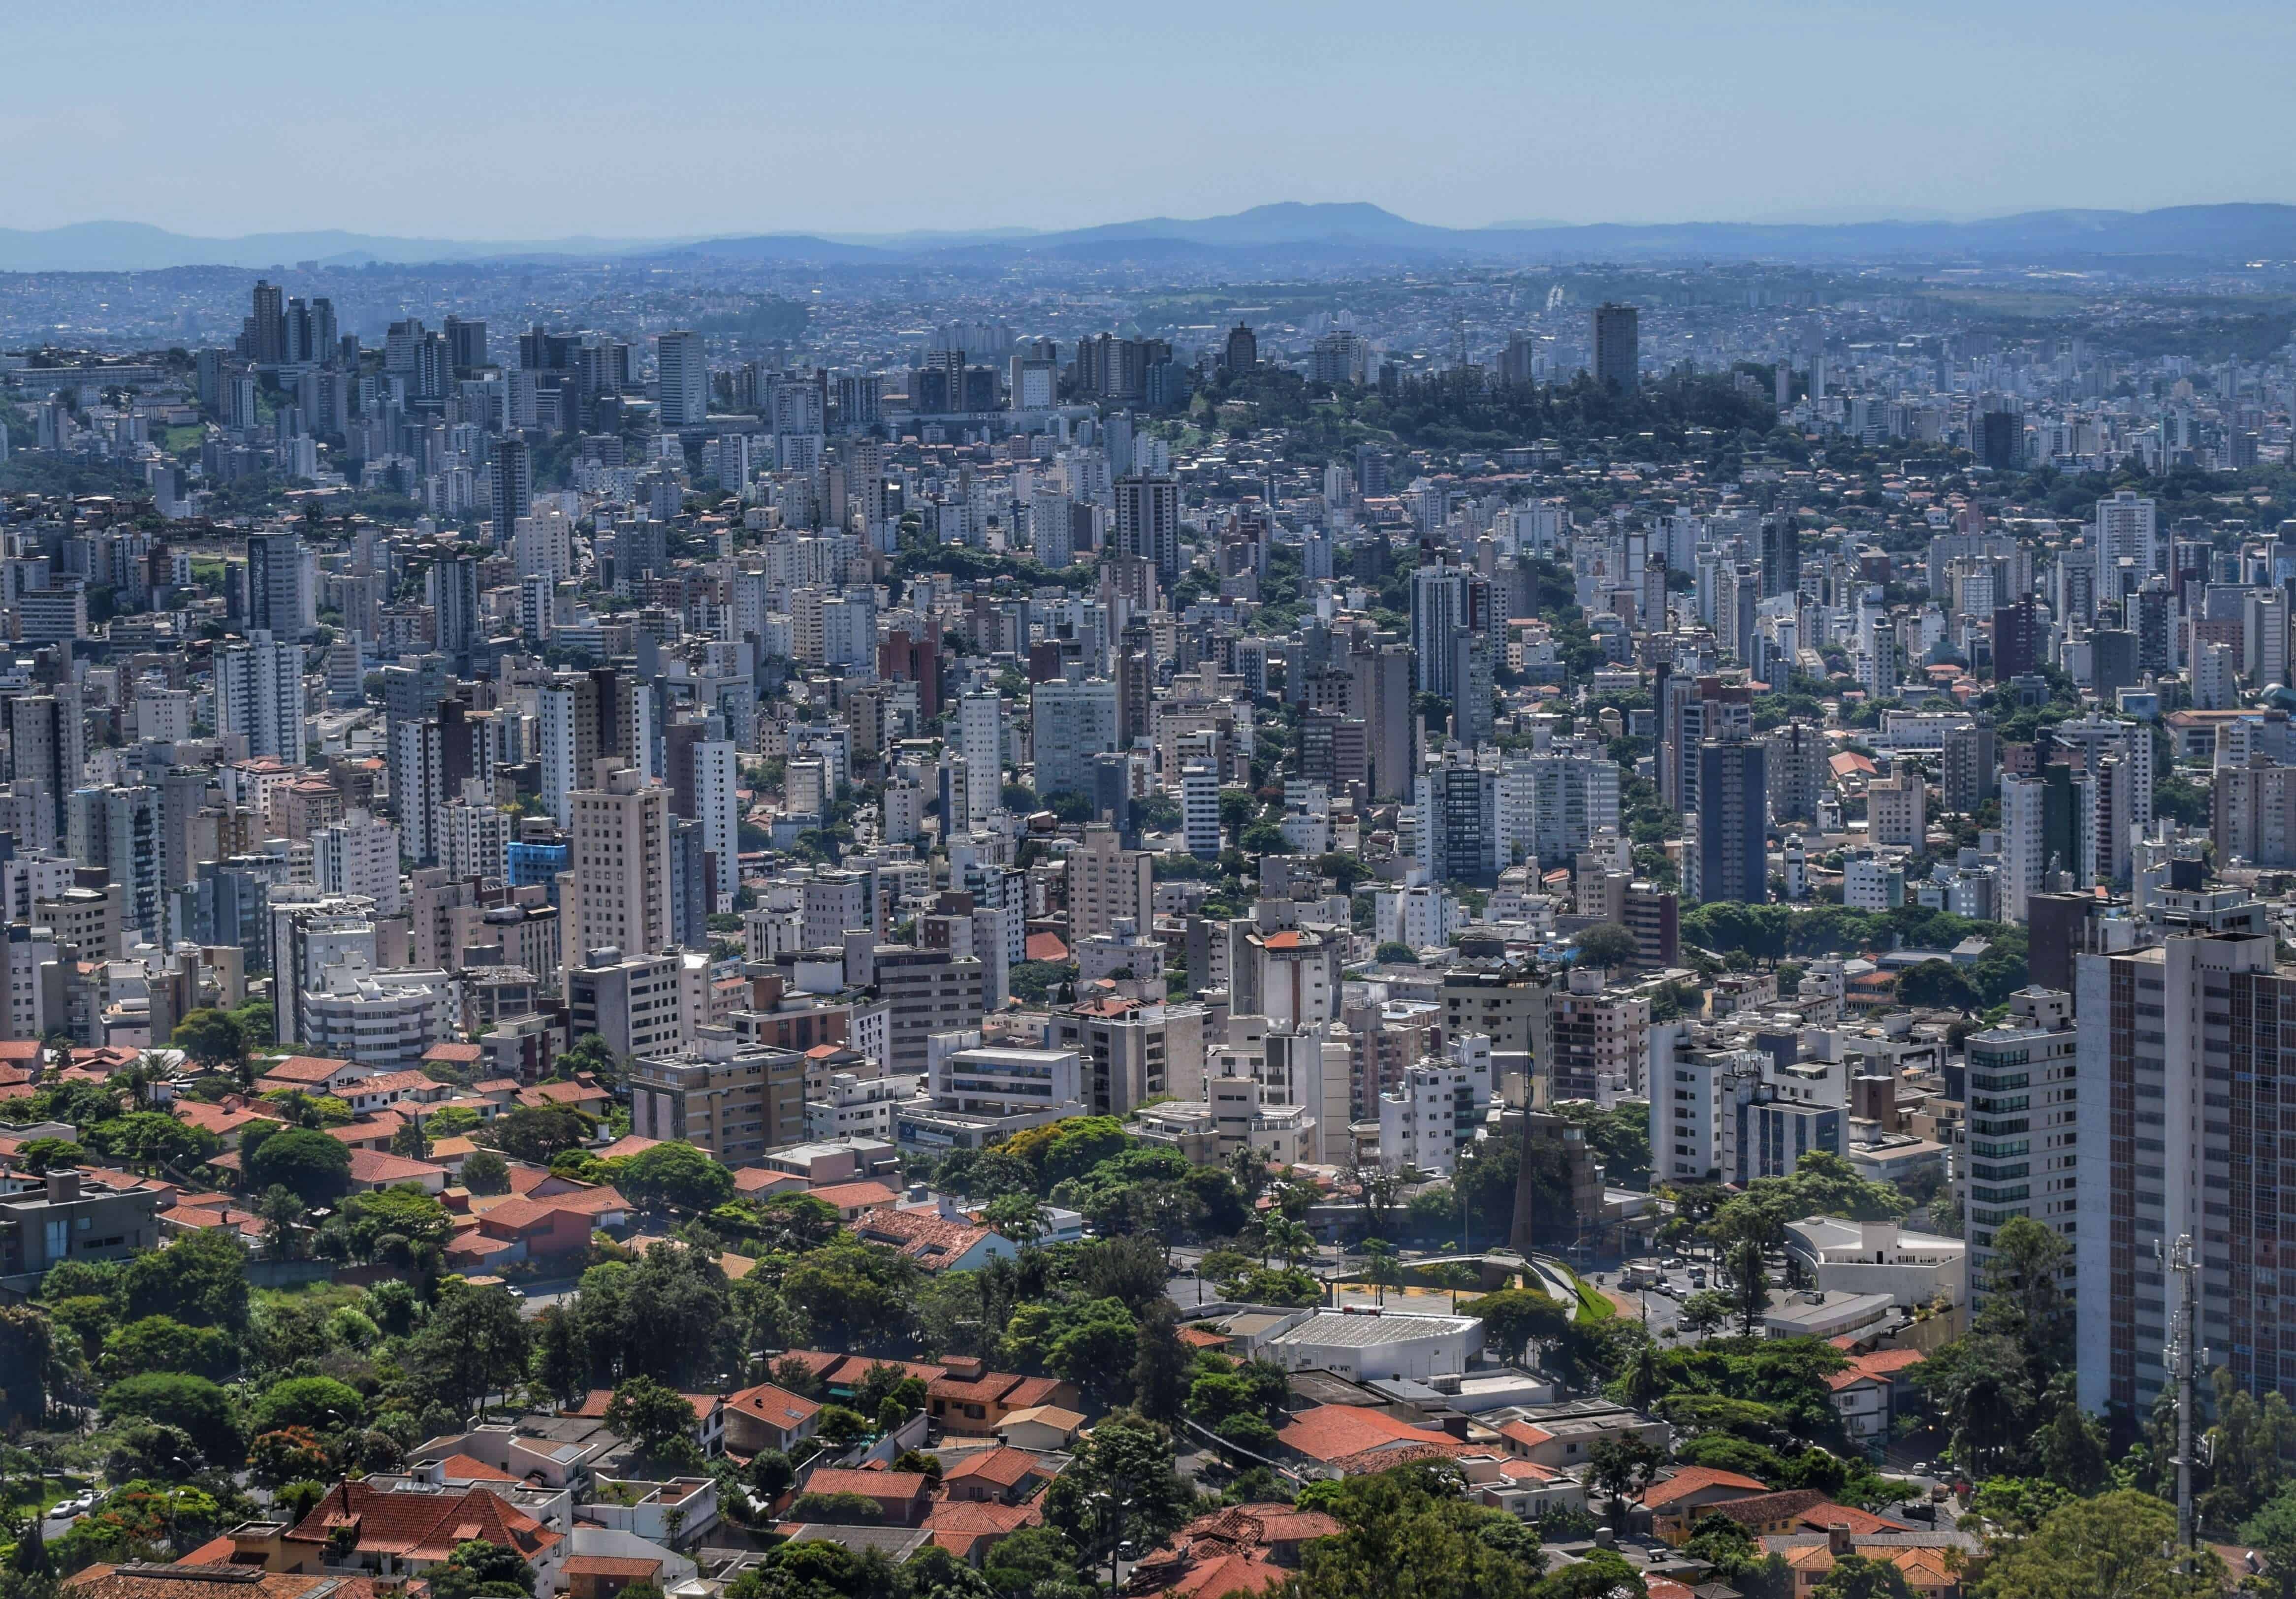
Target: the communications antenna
(2181, 1357)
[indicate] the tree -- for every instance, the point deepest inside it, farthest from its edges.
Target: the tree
(195, 1406)
(1610, 945)
(1622, 1466)
(535, 1133)
(290, 1455)
(320, 1404)
(200, 1280)
(400, 1224)
(1515, 1318)
(1855, 1577)
(1750, 1283)
(39, 1155)
(474, 1343)
(1160, 1370)
(2246, 1451)
(485, 1172)
(1032, 1559)
(1704, 1311)
(26, 1345)
(2118, 1545)
(2024, 1288)
(771, 1474)
(283, 1213)
(315, 1166)
(210, 1038)
(479, 1568)
(150, 1138)
(1980, 1388)
(1129, 1459)
(161, 1343)
(1022, 1217)
(659, 1419)
(674, 1174)
(2271, 1532)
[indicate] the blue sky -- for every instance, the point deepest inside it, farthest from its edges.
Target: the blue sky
(518, 121)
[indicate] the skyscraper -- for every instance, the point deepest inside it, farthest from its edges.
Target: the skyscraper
(980, 730)
(281, 585)
(1446, 601)
(620, 838)
(451, 588)
(47, 745)
(683, 368)
(258, 694)
(1732, 821)
(1148, 523)
(1380, 696)
(511, 487)
(1618, 347)
(1243, 349)
(2181, 1084)
(264, 340)
(1073, 722)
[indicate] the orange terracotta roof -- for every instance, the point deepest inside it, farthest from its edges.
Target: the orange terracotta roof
(1329, 1432)
(462, 1468)
(421, 1526)
(1691, 1479)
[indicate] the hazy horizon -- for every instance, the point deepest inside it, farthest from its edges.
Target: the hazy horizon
(513, 121)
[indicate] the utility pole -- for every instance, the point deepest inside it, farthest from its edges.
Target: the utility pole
(2181, 1357)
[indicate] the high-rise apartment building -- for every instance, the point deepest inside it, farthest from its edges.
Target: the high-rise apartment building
(359, 855)
(926, 991)
(2180, 1090)
(47, 746)
(258, 695)
(2023, 1129)
(684, 367)
(510, 484)
(980, 733)
(733, 1101)
(1380, 696)
(281, 585)
(1148, 523)
(1618, 347)
(1072, 722)
(1107, 883)
(1732, 821)
(619, 836)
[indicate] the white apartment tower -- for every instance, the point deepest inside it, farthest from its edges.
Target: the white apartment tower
(620, 846)
(258, 694)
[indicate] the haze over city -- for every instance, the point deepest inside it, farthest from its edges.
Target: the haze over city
(1225, 802)
(515, 121)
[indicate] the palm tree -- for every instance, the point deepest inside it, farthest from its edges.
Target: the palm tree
(1380, 1266)
(1643, 1379)
(1289, 1239)
(1750, 1281)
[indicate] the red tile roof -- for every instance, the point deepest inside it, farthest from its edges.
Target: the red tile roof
(462, 1468)
(420, 1527)
(873, 1485)
(1330, 1432)
(375, 1166)
(1693, 1480)
(1001, 1467)
(775, 1406)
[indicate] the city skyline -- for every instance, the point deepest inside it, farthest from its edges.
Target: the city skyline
(712, 121)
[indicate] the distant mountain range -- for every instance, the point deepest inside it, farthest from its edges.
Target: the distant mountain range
(1329, 235)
